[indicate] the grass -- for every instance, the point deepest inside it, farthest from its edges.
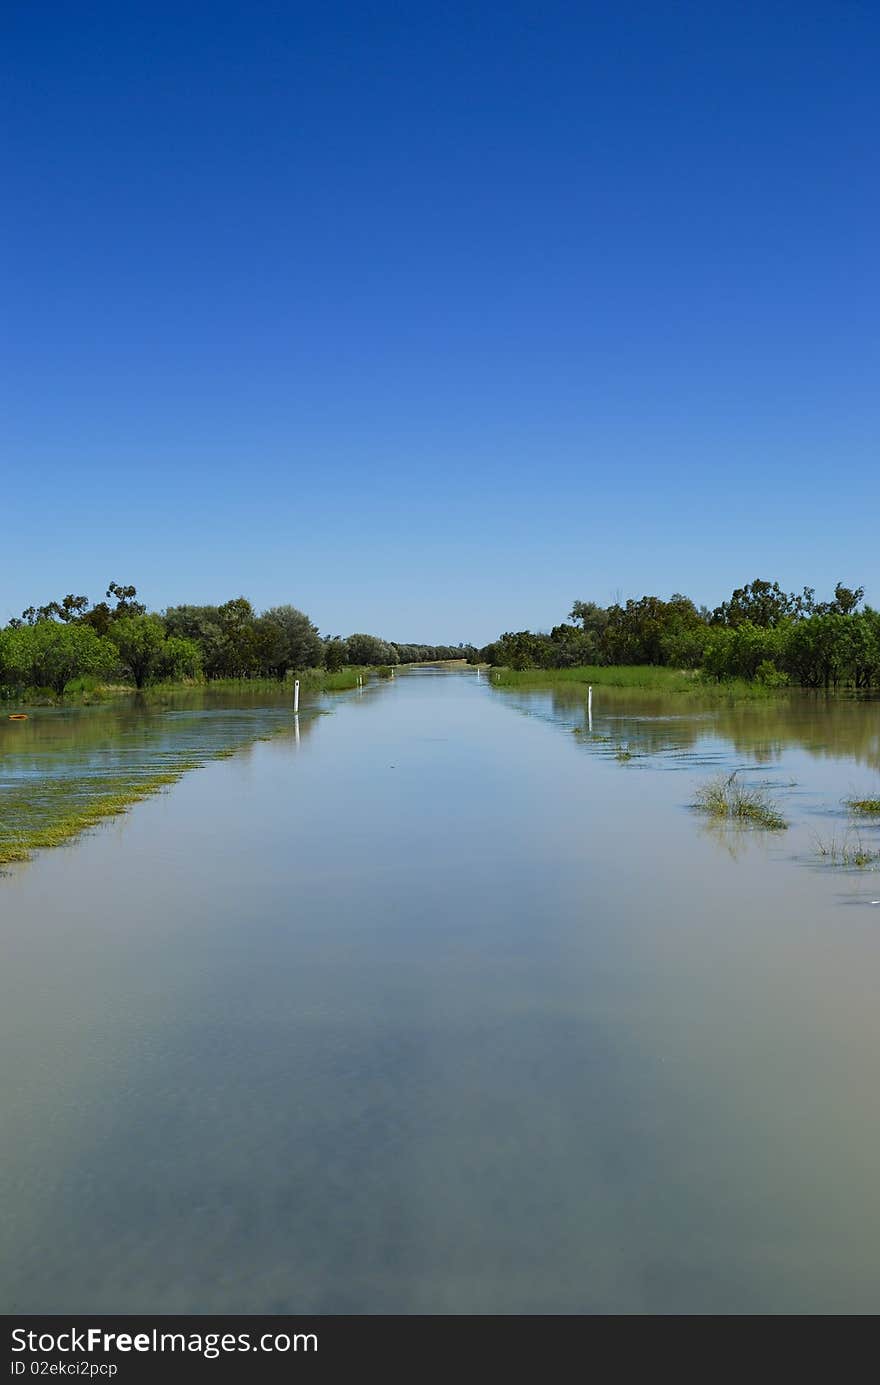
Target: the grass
(725, 797)
(85, 692)
(846, 852)
(617, 676)
(635, 678)
(314, 680)
(865, 806)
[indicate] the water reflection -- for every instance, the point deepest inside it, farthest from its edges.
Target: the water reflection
(60, 759)
(840, 728)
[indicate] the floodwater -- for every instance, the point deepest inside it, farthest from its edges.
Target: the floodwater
(437, 1004)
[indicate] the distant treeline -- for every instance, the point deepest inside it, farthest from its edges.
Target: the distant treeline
(119, 640)
(761, 633)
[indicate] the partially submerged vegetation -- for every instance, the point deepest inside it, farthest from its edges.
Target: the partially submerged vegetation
(866, 806)
(727, 797)
(70, 808)
(847, 851)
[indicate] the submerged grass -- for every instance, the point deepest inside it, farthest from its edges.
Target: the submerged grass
(58, 812)
(866, 806)
(726, 797)
(17, 844)
(49, 809)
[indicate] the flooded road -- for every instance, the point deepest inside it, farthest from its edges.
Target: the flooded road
(452, 1003)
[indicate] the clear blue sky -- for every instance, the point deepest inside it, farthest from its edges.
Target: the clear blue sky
(431, 318)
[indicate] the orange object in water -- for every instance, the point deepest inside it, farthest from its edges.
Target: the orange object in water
(18, 716)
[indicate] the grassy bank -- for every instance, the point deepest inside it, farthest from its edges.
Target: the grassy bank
(87, 692)
(311, 680)
(636, 678)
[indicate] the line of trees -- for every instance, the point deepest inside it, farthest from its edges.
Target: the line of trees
(761, 632)
(118, 639)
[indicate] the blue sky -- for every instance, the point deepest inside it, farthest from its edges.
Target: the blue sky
(431, 318)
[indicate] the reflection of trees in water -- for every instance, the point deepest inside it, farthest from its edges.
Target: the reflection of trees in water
(827, 727)
(136, 736)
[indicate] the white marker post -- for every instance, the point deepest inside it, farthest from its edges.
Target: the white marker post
(296, 694)
(590, 707)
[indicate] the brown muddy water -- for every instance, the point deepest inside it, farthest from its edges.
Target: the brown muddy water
(439, 1004)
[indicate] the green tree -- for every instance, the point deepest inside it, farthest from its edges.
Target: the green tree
(139, 640)
(290, 640)
(640, 631)
(125, 601)
(759, 602)
(177, 659)
(48, 654)
(335, 654)
(201, 624)
(369, 649)
(240, 655)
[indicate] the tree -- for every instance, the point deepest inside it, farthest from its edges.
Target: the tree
(139, 640)
(99, 617)
(125, 602)
(289, 639)
(369, 649)
(335, 654)
(760, 602)
(239, 644)
(646, 631)
(70, 608)
(738, 651)
(178, 659)
(591, 618)
(846, 599)
(201, 624)
(48, 654)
